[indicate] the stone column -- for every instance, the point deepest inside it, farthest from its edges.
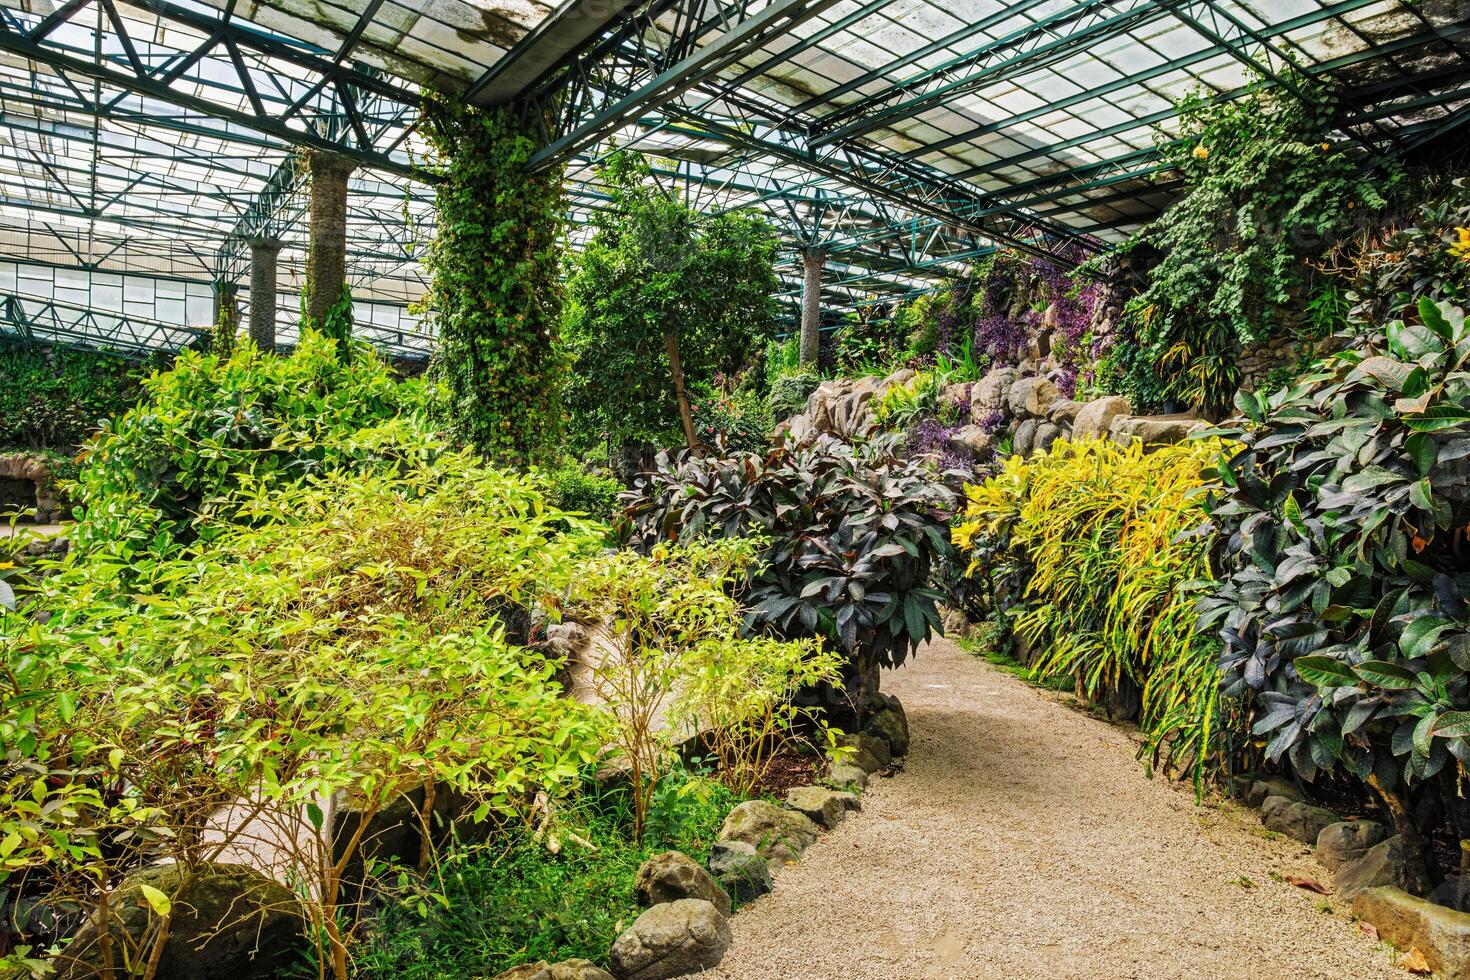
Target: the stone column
(326, 256)
(263, 293)
(812, 260)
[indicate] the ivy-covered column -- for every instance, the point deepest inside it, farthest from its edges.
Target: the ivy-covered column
(263, 292)
(812, 260)
(325, 305)
(495, 293)
(226, 316)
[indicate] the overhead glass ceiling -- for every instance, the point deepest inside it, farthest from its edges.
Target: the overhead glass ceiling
(903, 137)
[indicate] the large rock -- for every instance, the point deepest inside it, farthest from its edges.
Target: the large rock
(869, 753)
(844, 776)
(740, 870)
(565, 970)
(674, 939)
(821, 805)
(1263, 788)
(1031, 397)
(1297, 820)
(1063, 411)
(778, 835)
(957, 396)
(1046, 433)
(900, 377)
(227, 921)
(1385, 863)
(1441, 934)
(992, 391)
(1093, 420)
(889, 723)
(973, 439)
(1153, 431)
(670, 876)
(1023, 437)
(1347, 841)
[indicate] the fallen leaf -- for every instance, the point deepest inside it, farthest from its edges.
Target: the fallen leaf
(1414, 961)
(1310, 884)
(1369, 929)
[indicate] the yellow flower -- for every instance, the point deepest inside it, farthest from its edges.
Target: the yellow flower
(1461, 248)
(1201, 152)
(1326, 147)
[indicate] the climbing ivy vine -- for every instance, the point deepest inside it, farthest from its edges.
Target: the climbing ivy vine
(494, 293)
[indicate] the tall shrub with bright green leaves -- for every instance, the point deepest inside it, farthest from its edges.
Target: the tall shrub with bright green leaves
(495, 294)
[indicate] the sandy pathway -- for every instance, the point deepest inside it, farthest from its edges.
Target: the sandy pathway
(1024, 840)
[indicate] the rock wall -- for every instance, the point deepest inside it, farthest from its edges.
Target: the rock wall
(50, 505)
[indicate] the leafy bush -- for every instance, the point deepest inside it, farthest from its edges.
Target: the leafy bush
(1266, 188)
(571, 487)
(1097, 538)
(789, 394)
(210, 426)
(343, 639)
(513, 902)
(1428, 256)
(1342, 603)
(901, 405)
(851, 535)
(740, 418)
(56, 400)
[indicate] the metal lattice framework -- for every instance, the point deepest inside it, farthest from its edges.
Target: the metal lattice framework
(144, 144)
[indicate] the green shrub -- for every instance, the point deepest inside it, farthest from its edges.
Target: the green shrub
(1097, 539)
(1343, 599)
(571, 487)
(741, 420)
(56, 401)
(210, 427)
(789, 394)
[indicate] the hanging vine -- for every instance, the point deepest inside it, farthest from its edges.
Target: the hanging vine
(494, 292)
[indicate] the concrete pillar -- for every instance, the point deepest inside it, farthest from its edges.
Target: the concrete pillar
(263, 292)
(812, 260)
(326, 255)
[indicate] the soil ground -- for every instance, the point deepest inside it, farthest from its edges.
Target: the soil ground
(1025, 840)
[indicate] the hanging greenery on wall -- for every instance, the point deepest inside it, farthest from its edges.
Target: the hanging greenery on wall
(1267, 188)
(494, 294)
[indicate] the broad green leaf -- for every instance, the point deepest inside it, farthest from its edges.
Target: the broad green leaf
(1452, 724)
(1325, 671)
(157, 900)
(1419, 636)
(1381, 673)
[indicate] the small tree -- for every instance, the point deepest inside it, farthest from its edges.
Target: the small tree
(662, 294)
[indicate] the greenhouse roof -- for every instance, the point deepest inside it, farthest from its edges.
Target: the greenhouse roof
(143, 144)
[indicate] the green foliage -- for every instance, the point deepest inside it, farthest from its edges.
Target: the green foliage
(571, 487)
(868, 341)
(344, 638)
(1428, 256)
(517, 902)
(1099, 534)
(789, 394)
(210, 426)
(1343, 605)
(1267, 188)
(495, 295)
(55, 401)
(783, 358)
(740, 419)
(852, 533)
(901, 405)
(656, 268)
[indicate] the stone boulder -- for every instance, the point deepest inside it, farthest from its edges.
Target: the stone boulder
(900, 377)
(956, 396)
(1023, 438)
(565, 970)
(1262, 788)
(1295, 819)
(670, 876)
(991, 392)
(852, 779)
(972, 439)
(740, 870)
(227, 921)
(673, 939)
(1063, 411)
(1031, 397)
(1340, 843)
(1046, 433)
(1441, 934)
(889, 723)
(1158, 430)
(1094, 419)
(778, 835)
(1385, 863)
(868, 753)
(821, 805)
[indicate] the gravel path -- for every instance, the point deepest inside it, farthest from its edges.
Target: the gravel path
(1024, 840)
